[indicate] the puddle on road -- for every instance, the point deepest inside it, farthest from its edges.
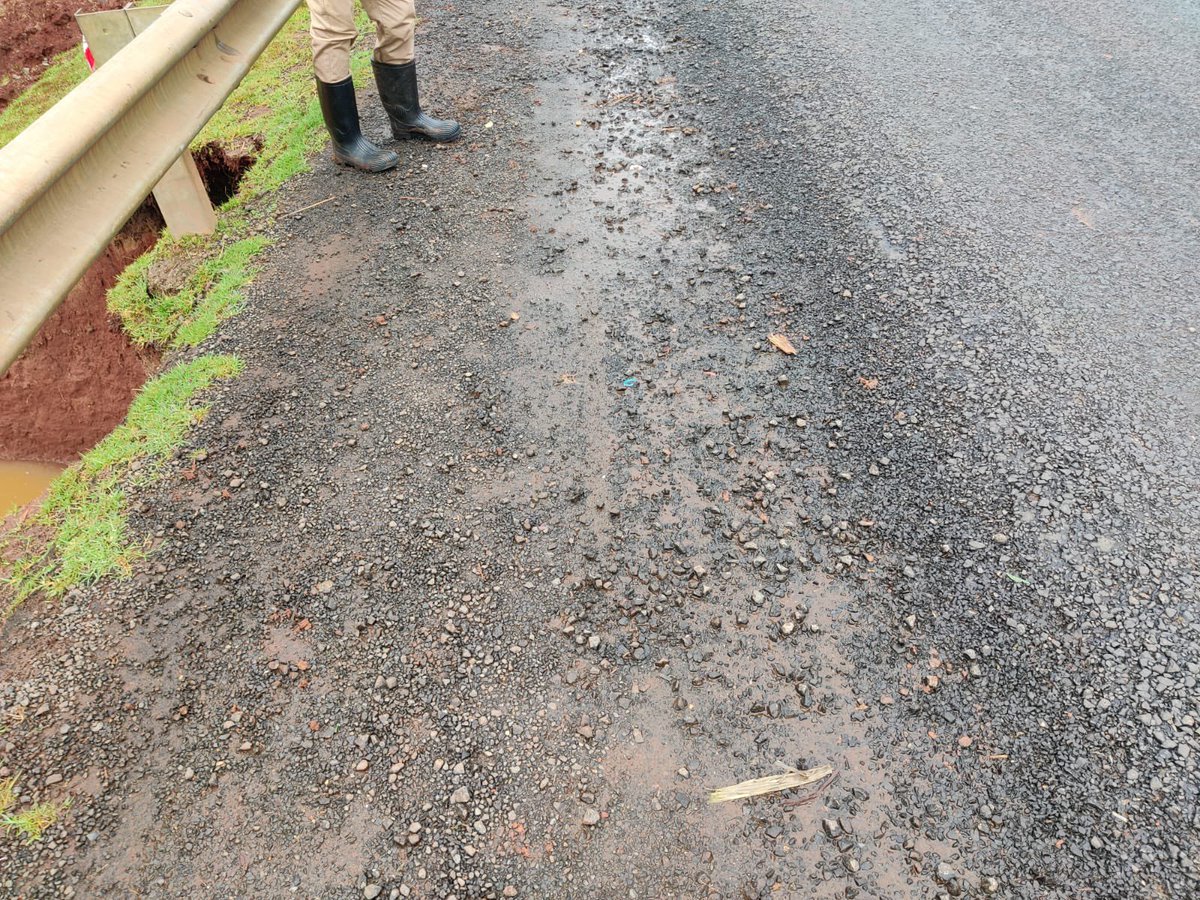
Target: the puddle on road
(21, 482)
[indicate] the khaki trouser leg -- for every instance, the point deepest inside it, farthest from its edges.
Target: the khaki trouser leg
(395, 22)
(333, 34)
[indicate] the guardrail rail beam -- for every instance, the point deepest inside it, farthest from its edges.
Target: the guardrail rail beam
(75, 176)
(181, 196)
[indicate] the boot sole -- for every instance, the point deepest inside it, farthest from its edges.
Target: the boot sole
(422, 136)
(373, 170)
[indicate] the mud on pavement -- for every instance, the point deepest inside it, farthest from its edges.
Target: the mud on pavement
(518, 537)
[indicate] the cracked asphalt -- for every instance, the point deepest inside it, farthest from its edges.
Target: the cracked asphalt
(520, 535)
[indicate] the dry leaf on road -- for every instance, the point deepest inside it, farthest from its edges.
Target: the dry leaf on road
(782, 343)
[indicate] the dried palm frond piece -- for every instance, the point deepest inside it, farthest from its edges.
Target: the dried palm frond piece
(755, 787)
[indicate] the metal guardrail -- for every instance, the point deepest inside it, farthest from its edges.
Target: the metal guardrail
(75, 176)
(181, 195)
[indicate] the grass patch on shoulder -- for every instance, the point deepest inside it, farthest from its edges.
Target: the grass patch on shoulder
(186, 317)
(67, 70)
(84, 514)
(31, 823)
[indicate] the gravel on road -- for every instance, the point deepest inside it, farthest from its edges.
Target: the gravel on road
(523, 532)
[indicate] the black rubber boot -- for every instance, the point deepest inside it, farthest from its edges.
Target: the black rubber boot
(398, 91)
(350, 148)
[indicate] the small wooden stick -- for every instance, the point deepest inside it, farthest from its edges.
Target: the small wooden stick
(310, 206)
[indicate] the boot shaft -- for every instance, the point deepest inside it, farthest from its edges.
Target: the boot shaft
(398, 89)
(339, 107)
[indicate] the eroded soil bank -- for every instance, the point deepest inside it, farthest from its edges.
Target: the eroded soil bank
(76, 379)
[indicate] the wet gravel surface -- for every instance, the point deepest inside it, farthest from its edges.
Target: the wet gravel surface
(519, 535)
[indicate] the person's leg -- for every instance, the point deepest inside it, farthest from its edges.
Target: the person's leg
(395, 27)
(396, 73)
(333, 35)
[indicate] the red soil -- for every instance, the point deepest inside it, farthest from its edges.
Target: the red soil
(76, 379)
(32, 32)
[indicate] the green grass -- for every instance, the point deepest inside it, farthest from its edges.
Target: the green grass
(84, 513)
(185, 318)
(30, 823)
(66, 71)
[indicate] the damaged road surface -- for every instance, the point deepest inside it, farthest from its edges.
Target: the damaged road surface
(524, 531)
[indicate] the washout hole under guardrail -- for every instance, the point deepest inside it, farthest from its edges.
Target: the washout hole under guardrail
(75, 381)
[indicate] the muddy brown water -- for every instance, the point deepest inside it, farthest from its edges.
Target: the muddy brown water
(22, 482)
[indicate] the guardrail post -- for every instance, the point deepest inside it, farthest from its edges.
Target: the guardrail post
(181, 196)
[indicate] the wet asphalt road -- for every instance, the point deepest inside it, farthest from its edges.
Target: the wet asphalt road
(1061, 138)
(1012, 191)
(518, 536)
